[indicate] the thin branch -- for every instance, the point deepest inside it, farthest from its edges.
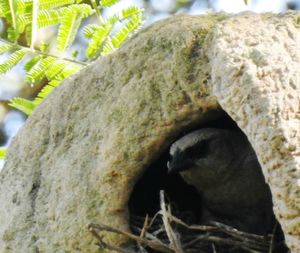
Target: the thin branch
(42, 53)
(34, 22)
(13, 14)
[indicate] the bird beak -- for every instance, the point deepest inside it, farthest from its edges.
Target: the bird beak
(170, 168)
(175, 166)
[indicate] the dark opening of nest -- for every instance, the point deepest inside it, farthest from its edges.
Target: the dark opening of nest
(145, 196)
(183, 199)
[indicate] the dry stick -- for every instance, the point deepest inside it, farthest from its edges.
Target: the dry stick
(254, 241)
(103, 245)
(193, 241)
(192, 227)
(213, 248)
(143, 232)
(165, 217)
(150, 236)
(227, 228)
(228, 241)
(145, 226)
(156, 245)
(250, 242)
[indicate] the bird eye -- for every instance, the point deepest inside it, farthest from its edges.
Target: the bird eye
(200, 150)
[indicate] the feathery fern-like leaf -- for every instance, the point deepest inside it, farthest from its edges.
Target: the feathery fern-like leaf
(59, 77)
(98, 37)
(47, 89)
(67, 71)
(28, 66)
(23, 105)
(5, 10)
(108, 3)
(49, 17)
(26, 16)
(5, 47)
(131, 11)
(12, 60)
(54, 69)
(123, 34)
(89, 30)
(70, 23)
(37, 71)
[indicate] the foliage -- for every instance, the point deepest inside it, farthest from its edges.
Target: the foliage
(2, 153)
(26, 17)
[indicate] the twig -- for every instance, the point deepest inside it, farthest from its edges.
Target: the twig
(193, 227)
(226, 228)
(154, 244)
(143, 232)
(145, 226)
(165, 217)
(104, 245)
(213, 248)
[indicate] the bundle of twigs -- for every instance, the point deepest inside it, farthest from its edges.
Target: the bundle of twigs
(166, 233)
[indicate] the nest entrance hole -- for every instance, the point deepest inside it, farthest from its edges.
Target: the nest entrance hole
(144, 199)
(185, 201)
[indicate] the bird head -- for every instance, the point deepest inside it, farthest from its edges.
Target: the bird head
(204, 155)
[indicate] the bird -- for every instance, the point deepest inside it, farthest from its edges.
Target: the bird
(223, 167)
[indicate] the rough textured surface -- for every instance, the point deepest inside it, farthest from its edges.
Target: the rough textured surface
(255, 61)
(79, 155)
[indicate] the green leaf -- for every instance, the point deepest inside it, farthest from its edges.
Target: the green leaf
(57, 79)
(23, 105)
(123, 34)
(70, 23)
(47, 89)
(49, 17)
(12, 61)
(44, 46)
(89, 30)
(5, 47)
(131, 11)
(55, 68)
(37, 71)
(5, 10)
(246, 2)
(2, 153)
(99, 36)
(28, 66)
(74, 53)
(108, 3)
(67, 71)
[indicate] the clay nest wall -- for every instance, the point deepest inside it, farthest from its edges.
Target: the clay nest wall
(80, 155)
